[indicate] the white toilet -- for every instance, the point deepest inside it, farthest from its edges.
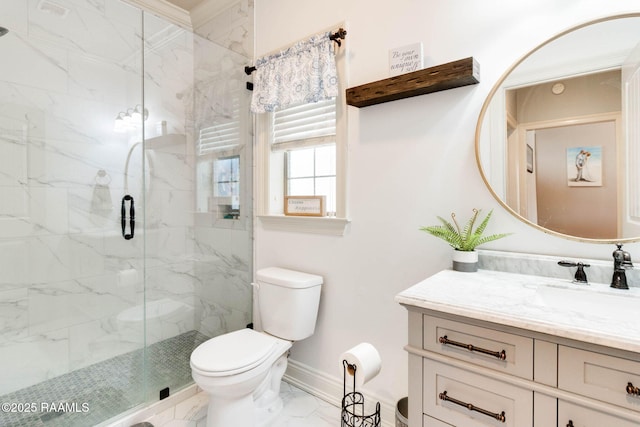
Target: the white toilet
(242, 370)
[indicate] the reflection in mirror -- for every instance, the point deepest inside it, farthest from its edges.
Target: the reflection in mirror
(558, 139)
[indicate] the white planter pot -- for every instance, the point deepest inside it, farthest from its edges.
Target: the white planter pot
(466, 261)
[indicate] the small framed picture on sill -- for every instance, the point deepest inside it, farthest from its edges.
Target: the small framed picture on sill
(305, 206)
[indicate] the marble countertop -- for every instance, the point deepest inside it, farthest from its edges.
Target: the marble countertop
(593, 313)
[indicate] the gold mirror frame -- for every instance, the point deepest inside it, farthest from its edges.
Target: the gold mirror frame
(481, 118)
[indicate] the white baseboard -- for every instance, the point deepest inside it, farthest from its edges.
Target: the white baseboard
(330, 389)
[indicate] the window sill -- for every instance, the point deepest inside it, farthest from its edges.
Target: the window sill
(305, 224)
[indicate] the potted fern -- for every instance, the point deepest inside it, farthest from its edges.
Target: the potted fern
(464, 240)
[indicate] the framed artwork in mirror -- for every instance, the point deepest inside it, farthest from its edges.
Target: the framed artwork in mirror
(584, 166)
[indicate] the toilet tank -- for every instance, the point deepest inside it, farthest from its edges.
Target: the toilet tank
(288, 302)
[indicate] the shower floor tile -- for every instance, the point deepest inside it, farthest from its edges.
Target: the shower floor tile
(91, 395)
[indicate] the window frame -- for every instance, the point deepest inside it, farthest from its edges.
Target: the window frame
(269, 183)
(203, 215)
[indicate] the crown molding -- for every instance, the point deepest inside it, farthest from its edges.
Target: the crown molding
(207, 10)
(163, 8)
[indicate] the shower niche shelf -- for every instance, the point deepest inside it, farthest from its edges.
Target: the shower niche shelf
(451, 75)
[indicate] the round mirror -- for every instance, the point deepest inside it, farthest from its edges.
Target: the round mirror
(558, 138)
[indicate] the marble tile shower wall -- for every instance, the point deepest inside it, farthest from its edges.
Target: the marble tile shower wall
(71, 289)
(223, 249)
(223, 286)
(60, 89)
(232, 28)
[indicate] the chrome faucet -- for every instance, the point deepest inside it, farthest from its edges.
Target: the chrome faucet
(621, 262)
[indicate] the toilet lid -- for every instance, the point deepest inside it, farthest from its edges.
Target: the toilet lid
(234, 352)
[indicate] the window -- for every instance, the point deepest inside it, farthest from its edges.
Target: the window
(220, 162)
(226, 190)
(312, 171)
(301, 150)
(307, 135)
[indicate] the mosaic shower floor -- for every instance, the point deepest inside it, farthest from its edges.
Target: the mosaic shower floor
(91, 395)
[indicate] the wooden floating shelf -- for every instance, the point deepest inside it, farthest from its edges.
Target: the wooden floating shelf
(434, 79)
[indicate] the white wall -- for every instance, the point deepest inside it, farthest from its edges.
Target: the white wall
(409, 161)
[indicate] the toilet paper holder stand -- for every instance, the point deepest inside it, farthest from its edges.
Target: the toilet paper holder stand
(353, 406)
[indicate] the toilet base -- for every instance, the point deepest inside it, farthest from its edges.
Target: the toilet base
(264, 416)
(242, 412)
(257, 409)
(235, 412)
(267, 400)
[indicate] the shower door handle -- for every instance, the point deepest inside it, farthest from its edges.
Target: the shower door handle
(123, 218)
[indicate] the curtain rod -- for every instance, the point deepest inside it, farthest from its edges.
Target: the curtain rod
(338, 35)
(341, 34)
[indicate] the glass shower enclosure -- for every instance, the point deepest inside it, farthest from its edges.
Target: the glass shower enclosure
(125, 207)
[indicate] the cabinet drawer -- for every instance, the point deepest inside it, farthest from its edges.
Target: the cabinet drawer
(428, 421)
(448, 337)
(571, 415)
(490, 397)
(599, 376)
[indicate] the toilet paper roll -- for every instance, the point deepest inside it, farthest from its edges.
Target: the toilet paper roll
(367, 361)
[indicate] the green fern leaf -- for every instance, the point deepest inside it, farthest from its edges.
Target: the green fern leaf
(465, 239)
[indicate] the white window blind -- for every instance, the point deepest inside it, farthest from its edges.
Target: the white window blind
(224, 134)
(304, 125)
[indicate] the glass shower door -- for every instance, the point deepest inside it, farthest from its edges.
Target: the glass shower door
(71, 287)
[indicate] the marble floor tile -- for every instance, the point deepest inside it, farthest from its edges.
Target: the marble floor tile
(300, 410)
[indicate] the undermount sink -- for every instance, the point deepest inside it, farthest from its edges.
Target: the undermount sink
(593, 300)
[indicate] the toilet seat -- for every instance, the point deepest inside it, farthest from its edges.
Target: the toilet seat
(235, 352)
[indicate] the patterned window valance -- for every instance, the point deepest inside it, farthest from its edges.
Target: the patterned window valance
(304, 73)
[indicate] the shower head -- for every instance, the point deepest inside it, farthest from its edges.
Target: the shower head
(3, 31)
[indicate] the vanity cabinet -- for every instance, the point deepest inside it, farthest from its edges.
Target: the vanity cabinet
(449, 390)
(599, 376)
(466, 372)
(572, 415)
(500, 351)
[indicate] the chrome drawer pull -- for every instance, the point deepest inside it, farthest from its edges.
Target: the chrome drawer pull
(502, 355)
(469, 406)
(633, 391)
